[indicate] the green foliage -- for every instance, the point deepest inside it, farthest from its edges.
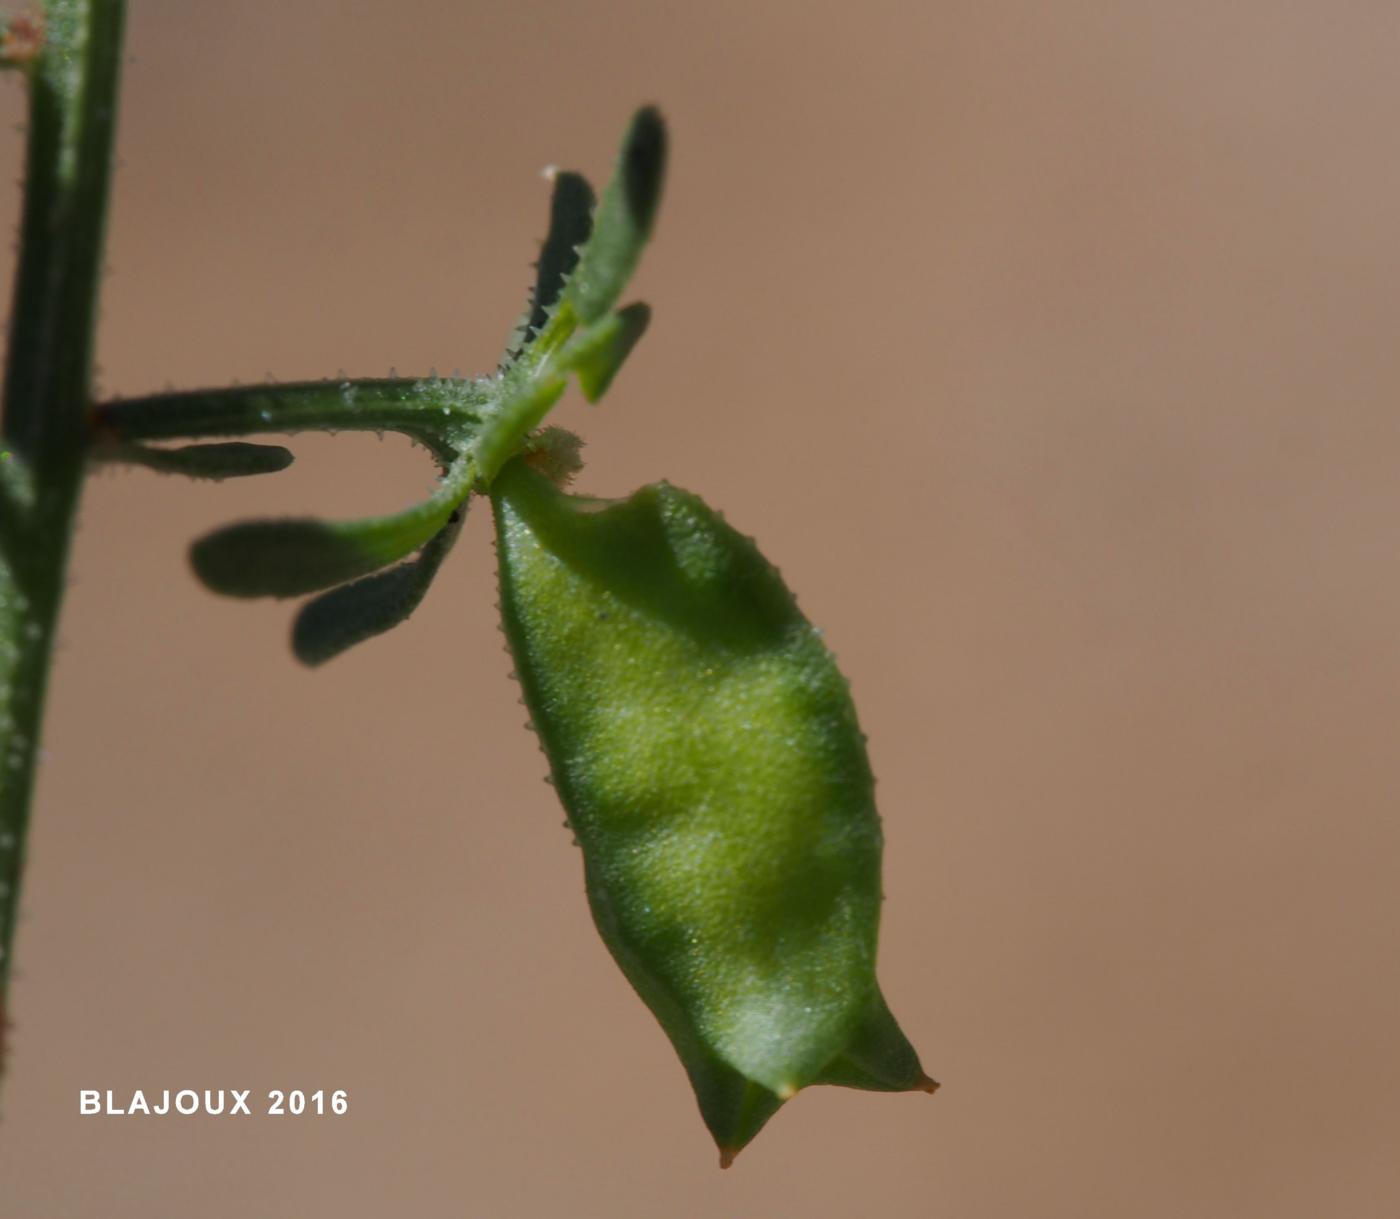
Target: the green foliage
(624, 220)
(286, 558)
(72, 62)
(226, 459)
(598, 353)
(570, 222)
(473, 428)
(699, 733)
(336, 620)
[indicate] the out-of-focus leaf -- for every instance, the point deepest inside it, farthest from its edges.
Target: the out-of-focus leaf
(285, 558)
(225, 459)
(623, 221)
(337, 620)
(570, 222)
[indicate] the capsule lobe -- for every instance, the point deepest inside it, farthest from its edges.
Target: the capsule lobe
(707, 753)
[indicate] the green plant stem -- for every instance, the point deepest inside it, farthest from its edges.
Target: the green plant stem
(72, 118)
(431, 410)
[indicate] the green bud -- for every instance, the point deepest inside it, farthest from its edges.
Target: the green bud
(707, 752)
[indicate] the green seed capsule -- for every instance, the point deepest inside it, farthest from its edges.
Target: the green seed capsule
(707, 752)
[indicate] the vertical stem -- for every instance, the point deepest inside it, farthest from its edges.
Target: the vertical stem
(48, 388)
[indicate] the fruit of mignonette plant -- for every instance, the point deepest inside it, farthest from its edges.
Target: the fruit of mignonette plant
(699, 734)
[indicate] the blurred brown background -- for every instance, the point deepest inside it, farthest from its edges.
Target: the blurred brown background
(1048, 348)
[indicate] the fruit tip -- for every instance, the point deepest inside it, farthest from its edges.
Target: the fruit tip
(928, 1085)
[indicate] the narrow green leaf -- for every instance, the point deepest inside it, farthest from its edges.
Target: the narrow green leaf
(228, 459)
(285, 558)
(599, 351)
(623, 221)
(570, 222)
(337, 620)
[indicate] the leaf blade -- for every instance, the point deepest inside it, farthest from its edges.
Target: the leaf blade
(599, 352)
(294, 555)
(216, 461)
(339, 619)
(624, 219)
(571, 207)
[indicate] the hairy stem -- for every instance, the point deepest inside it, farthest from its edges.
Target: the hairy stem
(72, 117)
(431, 410)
